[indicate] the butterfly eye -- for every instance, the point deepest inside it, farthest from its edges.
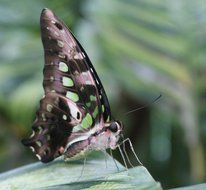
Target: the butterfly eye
(113, 127)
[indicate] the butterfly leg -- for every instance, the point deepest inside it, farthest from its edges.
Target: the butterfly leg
(111, 154)
(123, 158)
(82, 170)
(105, 157)
(132, 149)
(125, 152)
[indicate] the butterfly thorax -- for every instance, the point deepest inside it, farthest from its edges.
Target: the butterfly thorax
(100, 140)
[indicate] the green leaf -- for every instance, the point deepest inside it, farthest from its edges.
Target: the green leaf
(193, 187)
(97, 173)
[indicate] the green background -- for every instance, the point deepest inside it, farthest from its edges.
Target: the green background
(140, 49)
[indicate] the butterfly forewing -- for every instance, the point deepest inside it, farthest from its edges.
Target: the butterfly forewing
(68, 69)
(74, 95)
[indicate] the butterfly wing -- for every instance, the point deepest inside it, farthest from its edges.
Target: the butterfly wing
(74, 76)
(74, 95)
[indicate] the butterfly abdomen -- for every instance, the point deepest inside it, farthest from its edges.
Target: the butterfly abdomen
(77, 150)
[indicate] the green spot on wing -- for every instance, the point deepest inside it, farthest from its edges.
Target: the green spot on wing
(63, 67)
(67, 81)
(92, 98)
(103, 108)
(85, 125)
(88, 104)
(72, 96)
(95, 112)
(87, 121)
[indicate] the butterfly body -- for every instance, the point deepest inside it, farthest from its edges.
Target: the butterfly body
(74, 116)
(99, 140)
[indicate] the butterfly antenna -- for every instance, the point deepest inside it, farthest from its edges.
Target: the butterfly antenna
(145, 106)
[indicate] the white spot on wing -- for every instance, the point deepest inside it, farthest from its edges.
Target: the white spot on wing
(56, 101)
(49, 107)
(91, 70)
(60, 43)
(76, 73)
(64, 117)
(51, 78)
(40, 129)
(79, 56)
(56, 33)
(48, 137)
(97, 81)
(39, 144)
(43, 117)
(32, 148)
(85, 73)
(89, 82)
(33, 133)
(82, 88)
(61, 55)
(39, 157)
(62, 30)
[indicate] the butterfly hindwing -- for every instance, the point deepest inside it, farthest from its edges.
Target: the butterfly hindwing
(54, 122)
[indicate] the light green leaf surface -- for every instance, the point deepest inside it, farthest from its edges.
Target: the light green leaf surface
(193, 187)
(97, 173)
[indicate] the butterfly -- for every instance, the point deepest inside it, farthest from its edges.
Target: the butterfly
(74, 115)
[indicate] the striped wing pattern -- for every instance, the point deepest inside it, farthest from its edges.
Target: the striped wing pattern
(74, 96)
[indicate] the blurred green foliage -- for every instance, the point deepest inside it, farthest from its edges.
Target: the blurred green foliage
(140, 48)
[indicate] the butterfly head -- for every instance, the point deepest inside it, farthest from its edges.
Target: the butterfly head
(114, 129)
